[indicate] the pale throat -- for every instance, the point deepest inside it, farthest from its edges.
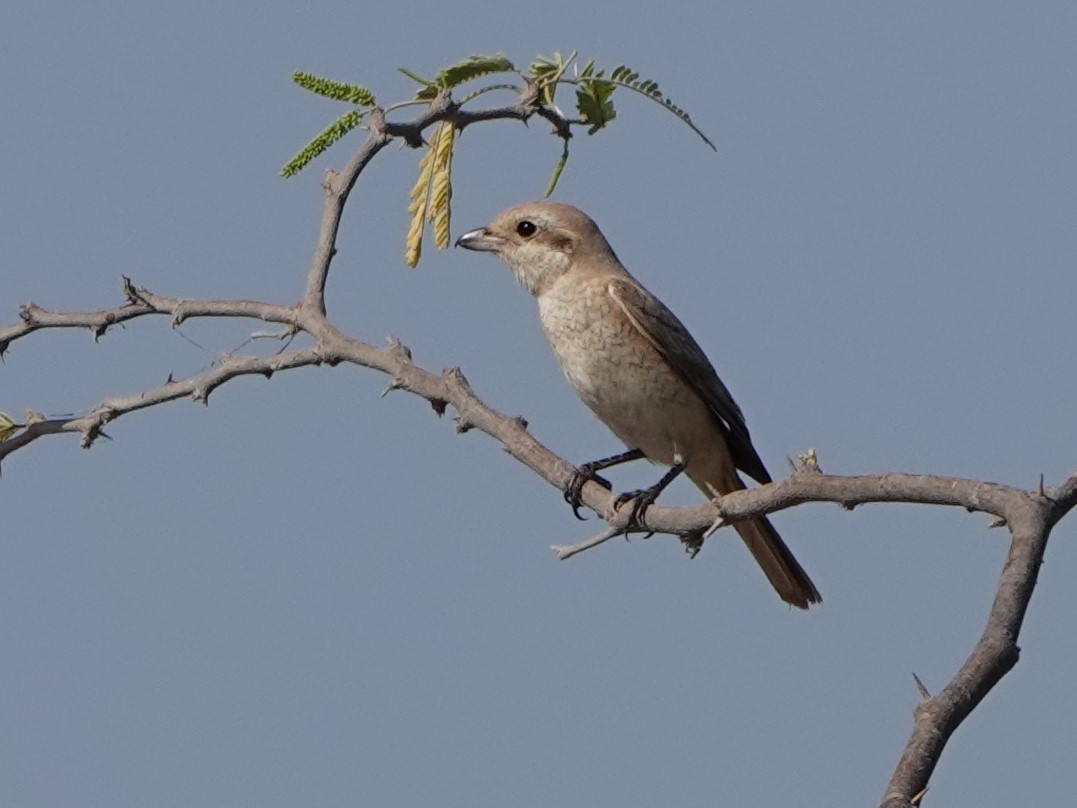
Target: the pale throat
(536, 266)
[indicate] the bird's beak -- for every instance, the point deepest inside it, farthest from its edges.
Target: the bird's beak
(482, 240)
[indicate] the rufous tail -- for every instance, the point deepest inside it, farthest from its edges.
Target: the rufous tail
(776, 560)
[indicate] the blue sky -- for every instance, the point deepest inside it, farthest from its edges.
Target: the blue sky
(307, 594)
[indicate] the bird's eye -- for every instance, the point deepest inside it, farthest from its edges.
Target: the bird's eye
(526, 228)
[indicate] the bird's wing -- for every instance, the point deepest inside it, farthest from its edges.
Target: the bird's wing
(669, 336)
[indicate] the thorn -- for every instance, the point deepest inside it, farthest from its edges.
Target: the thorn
(521, 422)
(916, 798)
(134, 298)
(134, 294)
(925, 694)
(720, 520)
(457, 376)
(717, 523)
(997, 521)
(462, 425)
(395, 384)
(1040, 490)
(397, 347)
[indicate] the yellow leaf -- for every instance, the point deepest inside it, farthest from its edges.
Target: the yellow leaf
(8, 427)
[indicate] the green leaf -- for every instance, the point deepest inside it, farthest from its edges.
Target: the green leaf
(324, 139)
(623, 76)
(557, 169)
(487, 89)
(593, 102)
(415, 77)
(546, 72)
(337, 90)
(472, 68)
(454, 75)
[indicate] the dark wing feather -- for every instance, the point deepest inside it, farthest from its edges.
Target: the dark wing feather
(669, 336)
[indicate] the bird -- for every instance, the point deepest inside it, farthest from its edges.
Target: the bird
(638, 369)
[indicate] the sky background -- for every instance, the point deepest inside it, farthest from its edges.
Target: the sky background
(304, 594)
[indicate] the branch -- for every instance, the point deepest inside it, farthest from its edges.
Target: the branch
(309, 315)
(32, 317)
(197, 388)
(1029, 515)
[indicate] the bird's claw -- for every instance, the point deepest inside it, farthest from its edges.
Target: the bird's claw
(641, 500)
(693, 543)
(574, 487)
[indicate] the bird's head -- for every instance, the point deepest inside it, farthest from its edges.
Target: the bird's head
(542, 241)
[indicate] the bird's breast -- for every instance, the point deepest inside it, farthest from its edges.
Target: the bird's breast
(616, 371)
(596, 345)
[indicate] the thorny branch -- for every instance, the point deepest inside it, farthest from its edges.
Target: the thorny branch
(1029, 515)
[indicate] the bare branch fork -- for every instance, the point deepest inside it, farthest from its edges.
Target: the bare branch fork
(1029, 515)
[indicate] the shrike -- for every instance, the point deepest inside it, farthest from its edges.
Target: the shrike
(634, 364)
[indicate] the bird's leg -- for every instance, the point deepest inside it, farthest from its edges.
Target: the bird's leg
(643, 498)
(587, 472)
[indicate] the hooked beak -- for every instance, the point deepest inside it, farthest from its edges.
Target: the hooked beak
(481, 240)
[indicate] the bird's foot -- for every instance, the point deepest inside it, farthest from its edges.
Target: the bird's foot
(574, 487)
(641, 500)
(693, 542)
(644, 498)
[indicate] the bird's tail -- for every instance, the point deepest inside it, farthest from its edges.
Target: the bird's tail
(777, 561)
